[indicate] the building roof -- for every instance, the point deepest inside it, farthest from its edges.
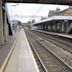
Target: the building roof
(51, 13)
(54, 13)
(66, 9)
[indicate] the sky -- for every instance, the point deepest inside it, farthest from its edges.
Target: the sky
(25, 12)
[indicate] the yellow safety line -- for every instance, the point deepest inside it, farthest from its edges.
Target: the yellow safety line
(7, 58)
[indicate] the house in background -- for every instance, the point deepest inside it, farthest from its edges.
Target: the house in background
(58, 12)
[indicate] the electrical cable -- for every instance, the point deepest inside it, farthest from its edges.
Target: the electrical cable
(39, 9)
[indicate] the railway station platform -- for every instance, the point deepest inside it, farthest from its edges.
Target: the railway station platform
(21, 59)
(58, 34)
(5, 48)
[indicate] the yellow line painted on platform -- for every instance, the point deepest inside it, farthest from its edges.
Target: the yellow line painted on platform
(7, 58)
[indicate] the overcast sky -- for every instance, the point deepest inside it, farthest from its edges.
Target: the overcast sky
(24, 11)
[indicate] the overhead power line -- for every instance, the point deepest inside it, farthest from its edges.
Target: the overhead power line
(39, 9)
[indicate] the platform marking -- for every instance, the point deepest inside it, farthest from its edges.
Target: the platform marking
(7, 58)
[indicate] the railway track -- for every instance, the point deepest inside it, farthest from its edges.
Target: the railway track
(62, 43)
(39, 62)
(51, 62)
(63, 53)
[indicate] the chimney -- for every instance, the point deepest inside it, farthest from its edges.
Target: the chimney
(70, 6)
(58, 9)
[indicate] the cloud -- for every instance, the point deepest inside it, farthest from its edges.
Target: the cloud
(20, 10)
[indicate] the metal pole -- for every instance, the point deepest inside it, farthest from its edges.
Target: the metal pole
(67, 27)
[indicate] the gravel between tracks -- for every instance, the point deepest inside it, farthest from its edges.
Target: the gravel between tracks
(49, 60)
(63, 54)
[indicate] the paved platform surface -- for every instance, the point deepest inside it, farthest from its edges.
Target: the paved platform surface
(59, 34)
(4, 49)
(22, 59)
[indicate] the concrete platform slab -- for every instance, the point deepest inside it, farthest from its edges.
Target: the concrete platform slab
(22, 59)
(4, 49)
(58, 34)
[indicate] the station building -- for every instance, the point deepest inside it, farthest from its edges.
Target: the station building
(64, 25)
(57, 21)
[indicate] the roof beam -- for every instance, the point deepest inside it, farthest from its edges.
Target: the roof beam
(62, 2)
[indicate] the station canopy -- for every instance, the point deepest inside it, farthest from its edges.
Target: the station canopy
(61, 2)
(55, 18)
